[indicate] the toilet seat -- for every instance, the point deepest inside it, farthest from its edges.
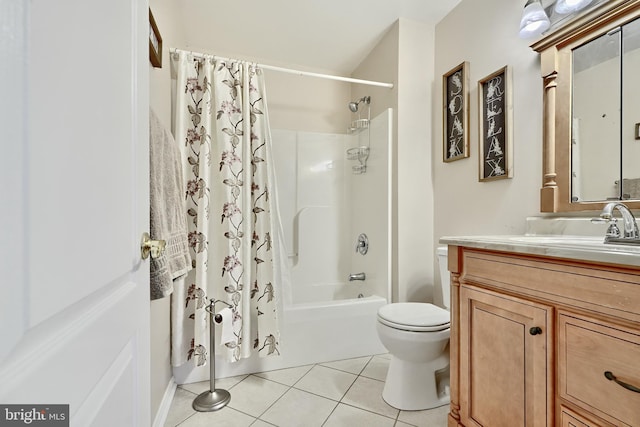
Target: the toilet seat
(414, 317)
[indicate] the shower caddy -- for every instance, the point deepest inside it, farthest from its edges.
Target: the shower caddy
(361, 153)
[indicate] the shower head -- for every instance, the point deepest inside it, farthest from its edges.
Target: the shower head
(353, 105)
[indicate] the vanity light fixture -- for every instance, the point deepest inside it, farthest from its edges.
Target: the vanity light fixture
(570, 6)
(534, 19)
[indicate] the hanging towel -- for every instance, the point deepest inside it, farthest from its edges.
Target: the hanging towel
(630, 188)
(168, 212)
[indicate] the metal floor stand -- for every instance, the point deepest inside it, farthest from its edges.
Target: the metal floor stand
(212, 399)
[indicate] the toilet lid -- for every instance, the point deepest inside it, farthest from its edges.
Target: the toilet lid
(414, 316)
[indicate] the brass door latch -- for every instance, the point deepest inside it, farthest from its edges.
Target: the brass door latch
(155, 248)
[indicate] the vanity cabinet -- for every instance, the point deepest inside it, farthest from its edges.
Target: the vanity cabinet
(533, 337)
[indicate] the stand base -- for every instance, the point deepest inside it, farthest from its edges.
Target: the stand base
(211, 400)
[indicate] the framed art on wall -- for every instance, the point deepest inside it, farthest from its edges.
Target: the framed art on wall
(155, 43)
(455, 124)
(495, 111)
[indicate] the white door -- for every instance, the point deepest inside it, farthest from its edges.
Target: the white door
(74, 298)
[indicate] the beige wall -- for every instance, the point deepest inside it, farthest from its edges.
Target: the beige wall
(160, 101)
(486, 35)
(307, 103)
(414, 185)
(405, 57)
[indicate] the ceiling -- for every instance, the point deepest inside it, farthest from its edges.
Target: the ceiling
(320, 35)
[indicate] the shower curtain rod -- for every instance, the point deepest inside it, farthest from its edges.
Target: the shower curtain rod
(292, 71)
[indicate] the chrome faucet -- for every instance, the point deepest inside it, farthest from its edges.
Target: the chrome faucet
(357, 276)
(613, 235)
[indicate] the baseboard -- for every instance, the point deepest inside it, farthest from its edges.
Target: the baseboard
(165, 405)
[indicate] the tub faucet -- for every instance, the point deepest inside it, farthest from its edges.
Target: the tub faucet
(613, 235)
(356, 276)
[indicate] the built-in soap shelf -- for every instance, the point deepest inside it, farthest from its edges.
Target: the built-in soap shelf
(359, 154)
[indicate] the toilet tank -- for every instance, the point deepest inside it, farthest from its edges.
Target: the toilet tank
(445, 277)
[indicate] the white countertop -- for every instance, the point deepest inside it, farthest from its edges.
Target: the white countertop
(559, 246)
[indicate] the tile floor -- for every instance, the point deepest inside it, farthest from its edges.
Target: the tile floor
(344, 393)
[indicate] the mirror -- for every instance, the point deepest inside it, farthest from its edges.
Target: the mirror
(591, 107)
(605, 108)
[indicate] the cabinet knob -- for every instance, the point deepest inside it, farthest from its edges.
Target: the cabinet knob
(536, 330)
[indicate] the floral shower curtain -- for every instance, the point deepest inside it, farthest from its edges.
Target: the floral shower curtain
(222, 126)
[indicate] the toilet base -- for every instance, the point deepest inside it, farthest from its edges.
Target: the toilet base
(417, 386)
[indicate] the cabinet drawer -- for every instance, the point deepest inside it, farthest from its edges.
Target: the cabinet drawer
(588, 349)
(570, 419)
(604, 289)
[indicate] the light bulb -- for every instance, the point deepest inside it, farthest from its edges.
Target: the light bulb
(534, 20)
(570, 6)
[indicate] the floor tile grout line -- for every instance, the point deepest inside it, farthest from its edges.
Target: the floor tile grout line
(299, 389)
(369, 411)
(336, 403)
(330, 413)
(319, 395)
(185, 420)
(304, 391)
(365, 366)
(274, 402)
(358, 407)
(315, 394)
(197, 394)
(365, 409)
(342, 370)
(288, 385)
(239, 410)
(305, 374)
(193, 411)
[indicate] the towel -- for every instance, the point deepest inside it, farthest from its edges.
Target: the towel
(168, 213)
(630, 189)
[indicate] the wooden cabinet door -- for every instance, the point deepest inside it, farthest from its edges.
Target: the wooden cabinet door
(505, 360)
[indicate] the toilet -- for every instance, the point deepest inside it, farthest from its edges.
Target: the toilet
(417, 338)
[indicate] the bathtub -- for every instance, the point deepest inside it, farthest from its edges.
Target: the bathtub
(310, 332)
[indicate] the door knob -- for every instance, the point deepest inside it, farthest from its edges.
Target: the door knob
(155, 248)
(536, 330)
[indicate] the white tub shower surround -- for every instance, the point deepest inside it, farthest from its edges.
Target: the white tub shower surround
(323, 207)
(222, 126)
(326, 207)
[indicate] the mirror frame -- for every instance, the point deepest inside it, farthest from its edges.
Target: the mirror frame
(556, 68)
